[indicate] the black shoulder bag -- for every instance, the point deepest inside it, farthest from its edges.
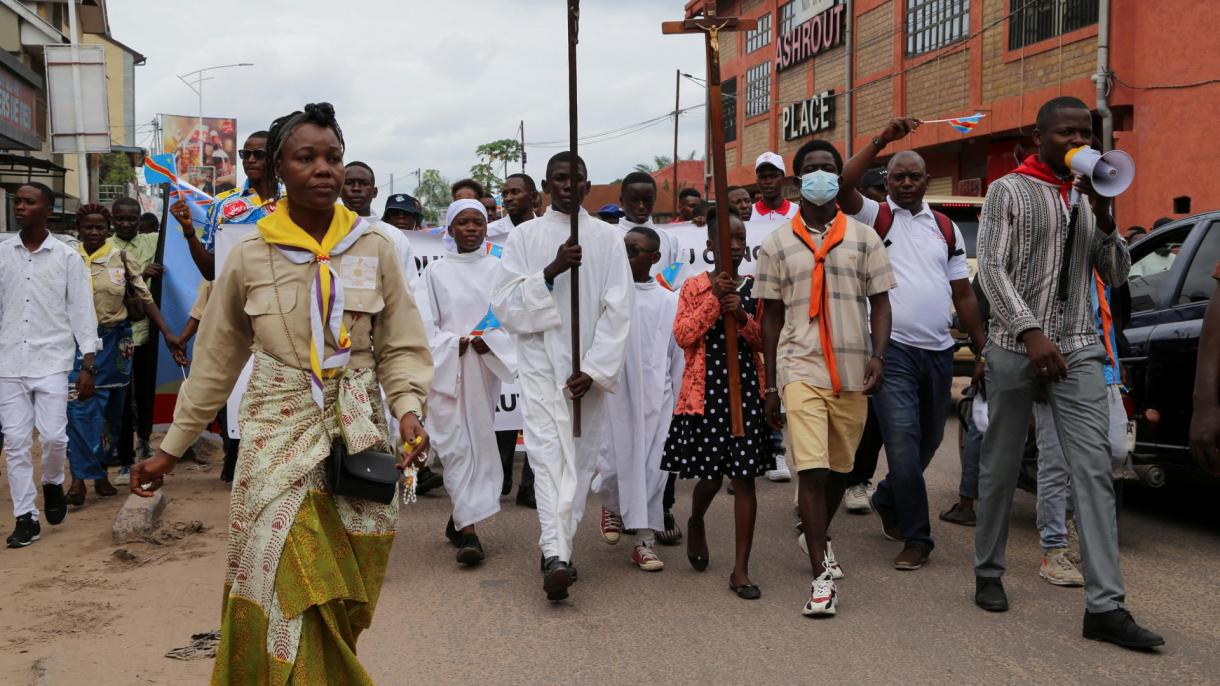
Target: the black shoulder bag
(366, 475)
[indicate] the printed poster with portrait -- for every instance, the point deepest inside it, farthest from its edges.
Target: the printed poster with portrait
(198, 144)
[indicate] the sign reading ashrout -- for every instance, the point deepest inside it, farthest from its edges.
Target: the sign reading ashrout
(823, 32)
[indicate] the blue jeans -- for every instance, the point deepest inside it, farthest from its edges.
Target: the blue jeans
(87, 433)
(969, 486)
(912, 406)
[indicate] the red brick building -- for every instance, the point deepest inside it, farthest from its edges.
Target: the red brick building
(788, 82)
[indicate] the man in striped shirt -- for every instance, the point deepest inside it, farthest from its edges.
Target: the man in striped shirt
(1042, 235)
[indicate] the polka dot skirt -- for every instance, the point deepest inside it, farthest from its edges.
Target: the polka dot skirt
(703, 446)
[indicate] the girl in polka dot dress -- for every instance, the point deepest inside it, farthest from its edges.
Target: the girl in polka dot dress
(701, 444)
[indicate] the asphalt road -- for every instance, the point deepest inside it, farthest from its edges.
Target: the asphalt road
(438, 623)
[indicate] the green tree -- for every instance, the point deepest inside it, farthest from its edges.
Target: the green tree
(495, 156)
(433, 194)
(116, 169)
(659, 162)
(485, 174)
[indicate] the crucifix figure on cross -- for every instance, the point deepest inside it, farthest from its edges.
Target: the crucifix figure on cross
(711, 26)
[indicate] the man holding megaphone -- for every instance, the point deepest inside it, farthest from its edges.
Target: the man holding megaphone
(1044, 230)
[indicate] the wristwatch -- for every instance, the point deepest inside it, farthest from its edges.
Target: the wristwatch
(879, 142)
(91, 369)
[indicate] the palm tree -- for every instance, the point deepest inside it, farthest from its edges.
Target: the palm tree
(659, 162)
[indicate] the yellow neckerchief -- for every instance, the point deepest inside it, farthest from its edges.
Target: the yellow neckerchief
(101, 252)
(326, 297)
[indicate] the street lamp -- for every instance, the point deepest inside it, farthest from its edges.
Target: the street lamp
(196, 84)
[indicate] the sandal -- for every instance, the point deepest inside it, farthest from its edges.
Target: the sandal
(76, 494)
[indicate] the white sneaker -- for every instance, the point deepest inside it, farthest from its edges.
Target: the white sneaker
(855, 500)
(823, 598)
(780, 473)
(831, 564)
(123, 478)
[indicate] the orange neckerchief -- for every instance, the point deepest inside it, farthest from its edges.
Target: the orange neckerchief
(1107, 319)
(819, 299)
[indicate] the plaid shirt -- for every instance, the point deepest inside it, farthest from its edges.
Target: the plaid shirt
(1022, 245)
(855, 269)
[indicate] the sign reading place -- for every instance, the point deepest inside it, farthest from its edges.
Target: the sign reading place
(809, 117)
(821, 33)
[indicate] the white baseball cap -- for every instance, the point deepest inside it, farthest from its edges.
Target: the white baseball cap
(771, 159)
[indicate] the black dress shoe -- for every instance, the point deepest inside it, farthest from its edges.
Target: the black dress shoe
(451, 533)
(989, 594)
(428, 480)
(54, 503)
(889, 520)
(470, 551)
(1118, 627)
(525, 497)
(556, 578)
(27, 532)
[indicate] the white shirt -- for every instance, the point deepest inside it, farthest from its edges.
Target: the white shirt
(402, 245)
(922, 304)
(46, 309)
(761, 212)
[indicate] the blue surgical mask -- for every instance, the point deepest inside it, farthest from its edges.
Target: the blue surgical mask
(819, 187)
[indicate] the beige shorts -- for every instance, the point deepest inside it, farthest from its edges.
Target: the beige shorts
(824, 430)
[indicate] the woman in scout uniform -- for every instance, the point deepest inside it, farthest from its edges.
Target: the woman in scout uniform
(92, 430)
(317, 297)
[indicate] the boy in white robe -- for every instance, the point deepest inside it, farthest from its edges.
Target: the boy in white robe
(630, 481)
(472, 356)
(533, 301)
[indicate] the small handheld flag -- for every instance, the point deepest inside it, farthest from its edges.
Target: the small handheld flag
(159, 169)
(489, 321)
(669, 276)
(494, 250)
(960, 124)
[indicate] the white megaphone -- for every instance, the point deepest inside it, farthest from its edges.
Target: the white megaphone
(1111, 173)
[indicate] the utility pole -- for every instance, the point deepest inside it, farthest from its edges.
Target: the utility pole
(522, 131)
(391, 183)
(677, 100)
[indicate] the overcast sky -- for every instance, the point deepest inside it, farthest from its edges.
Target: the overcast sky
(421, 83)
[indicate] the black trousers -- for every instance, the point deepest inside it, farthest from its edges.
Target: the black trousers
(867, 452)
(506, 441)
(138, 412)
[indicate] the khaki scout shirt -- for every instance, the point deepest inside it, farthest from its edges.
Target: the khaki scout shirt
(109, 286)
(141, 250)
(244, 313)
(201, 300)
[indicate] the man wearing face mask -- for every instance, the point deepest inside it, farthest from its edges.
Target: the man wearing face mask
(928, 256)
(819, 274)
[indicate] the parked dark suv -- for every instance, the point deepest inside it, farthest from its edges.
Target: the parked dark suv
(1171, 283)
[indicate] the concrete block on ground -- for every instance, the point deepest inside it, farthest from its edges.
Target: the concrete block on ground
(138, 517)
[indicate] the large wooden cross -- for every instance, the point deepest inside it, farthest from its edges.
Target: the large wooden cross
(711, 26)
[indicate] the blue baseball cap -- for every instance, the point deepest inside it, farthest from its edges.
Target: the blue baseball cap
(405, 203)
(612, 210)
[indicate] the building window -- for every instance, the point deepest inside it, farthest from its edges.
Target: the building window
(933, 24)
(728, 96)
(761, 36)
(787, 17)
(758, 90)
(1037, 20)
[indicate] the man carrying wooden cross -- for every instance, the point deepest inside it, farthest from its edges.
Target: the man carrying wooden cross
(533, 301)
